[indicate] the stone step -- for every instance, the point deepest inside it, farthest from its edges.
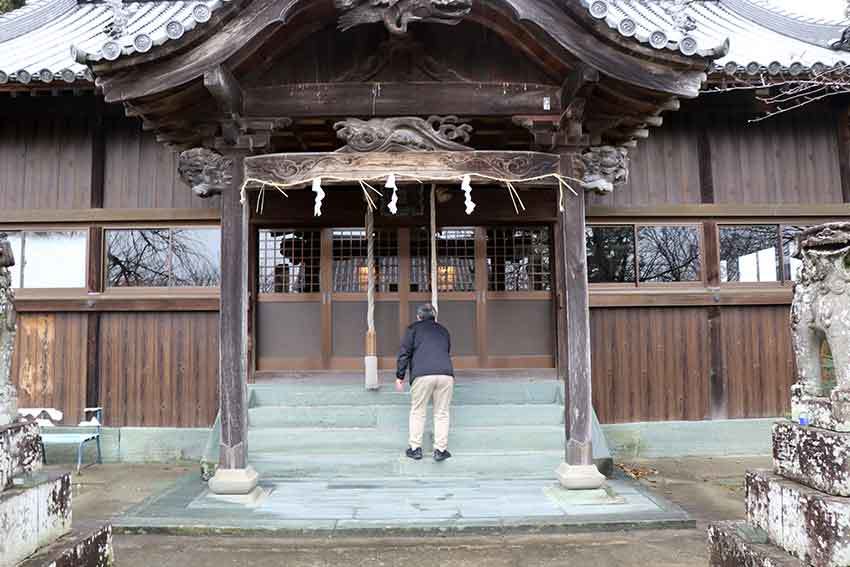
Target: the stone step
(737, 544)
(85, 546)
(818, 458)
(395, 416)
(473, 393)
(537, 464)
(807, 523)
(465, 440)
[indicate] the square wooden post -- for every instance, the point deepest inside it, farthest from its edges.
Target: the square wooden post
(578, 470)
(234, 475)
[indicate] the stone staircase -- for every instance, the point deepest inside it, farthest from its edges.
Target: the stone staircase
(502, 429)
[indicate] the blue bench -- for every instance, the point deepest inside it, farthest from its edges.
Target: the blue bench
(87, 431)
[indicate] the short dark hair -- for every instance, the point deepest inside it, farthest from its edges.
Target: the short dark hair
(426, 311)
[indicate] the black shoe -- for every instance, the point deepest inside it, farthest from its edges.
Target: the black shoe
(415, 454)
(441, 455)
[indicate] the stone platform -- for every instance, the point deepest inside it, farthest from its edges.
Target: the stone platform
(83, 547)
(818, 458)
(382, 506)
(805, 522)
(738, 544)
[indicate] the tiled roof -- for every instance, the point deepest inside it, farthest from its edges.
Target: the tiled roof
(52, 40)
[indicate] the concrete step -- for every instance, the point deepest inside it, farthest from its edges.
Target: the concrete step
(395, 416)
(539, 464)
(473, 393)
(363, 441)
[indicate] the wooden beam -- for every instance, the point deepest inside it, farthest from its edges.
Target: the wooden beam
(401, 99)
(98, 155)
(425, 166)
(225, 89)
(93, 360)
(699, 297)
(737, 211)
(233, 324)
(20, 217)
(717, 385)
(706, 173)
(39, 302)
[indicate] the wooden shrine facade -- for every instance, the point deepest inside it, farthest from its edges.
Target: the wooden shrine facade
(265, 78)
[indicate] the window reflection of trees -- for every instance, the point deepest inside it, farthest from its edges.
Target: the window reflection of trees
(610, 254)
(668, 254)
(749, 253)
(163, 257)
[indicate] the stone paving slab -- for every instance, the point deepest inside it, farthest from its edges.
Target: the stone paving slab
(392, 505)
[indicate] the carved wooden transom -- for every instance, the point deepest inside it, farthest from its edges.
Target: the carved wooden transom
(403, 134)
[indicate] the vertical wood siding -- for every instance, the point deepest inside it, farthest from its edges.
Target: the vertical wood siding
(142, 173)
(792, 158)
(664, 169)
(159, 369)
(48, 365)
(758, 361)
(650, 364)
(45, 162)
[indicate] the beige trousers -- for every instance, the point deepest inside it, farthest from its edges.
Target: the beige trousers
(440, 387)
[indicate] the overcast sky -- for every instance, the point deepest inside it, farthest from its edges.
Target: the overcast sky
(828, 9)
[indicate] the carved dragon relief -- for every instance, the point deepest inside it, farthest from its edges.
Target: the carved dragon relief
(403, 134)
(397, 15)
(604, 167)
(205, 171)
(8, 396)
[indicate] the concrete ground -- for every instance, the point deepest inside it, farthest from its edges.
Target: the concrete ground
(708, 488)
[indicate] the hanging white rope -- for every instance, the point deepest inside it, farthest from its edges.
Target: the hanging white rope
(370, 278)
(320, 196)
(434, 278)
(393, 204)
(466, 187)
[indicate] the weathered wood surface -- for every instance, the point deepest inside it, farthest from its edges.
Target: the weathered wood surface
(578, 408)
(807, 523)
(650, 364)
(233, 324)
(301, 168)
(400, 99)
(46, 366)
(159, 369)
(818, 458)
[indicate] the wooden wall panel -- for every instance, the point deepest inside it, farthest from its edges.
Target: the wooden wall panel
(758, 361)
(142, 173)
(792, 158)
(664, 169)
(159, 369)
(650, 364)
(45, 162)
(48, 364)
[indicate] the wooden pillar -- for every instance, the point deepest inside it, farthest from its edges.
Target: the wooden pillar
(578, 470)
(234, 475)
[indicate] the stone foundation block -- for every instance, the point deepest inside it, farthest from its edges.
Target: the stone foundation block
(33, 516)
(807, 523)
(20, 451)
(821, 412)
(737, 544)
(818, 458)
(82, 548)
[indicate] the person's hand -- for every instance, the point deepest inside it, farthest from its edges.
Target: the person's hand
(399, 384)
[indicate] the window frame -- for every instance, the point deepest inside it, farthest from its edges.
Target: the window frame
(152, 290)
(53, 227)
(697, 225)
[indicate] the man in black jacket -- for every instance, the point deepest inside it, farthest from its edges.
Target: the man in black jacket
(426, 349)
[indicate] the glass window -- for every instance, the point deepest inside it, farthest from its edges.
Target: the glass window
(163, 257)
(49, 259)
(519, 259)
(749, 253)
(791, 265)
(668, 254)
(610, 254)
(289, 261)
(455, 259)
(350, 251)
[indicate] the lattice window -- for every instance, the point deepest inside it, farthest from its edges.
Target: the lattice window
(349, 260)
(455, 259)
(289, 261)
(519, 259)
